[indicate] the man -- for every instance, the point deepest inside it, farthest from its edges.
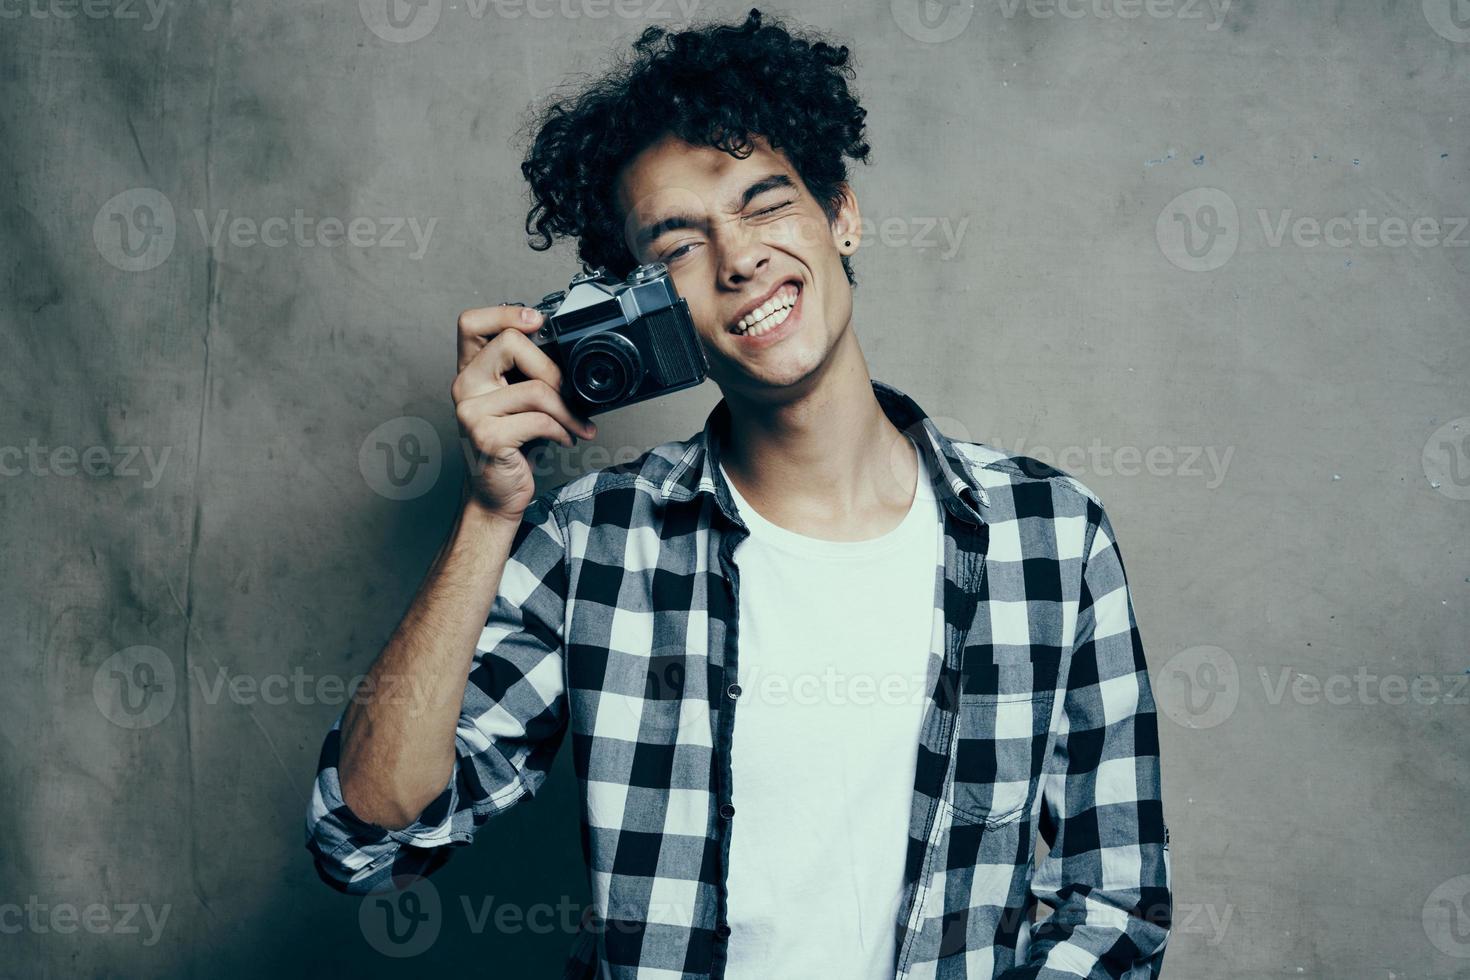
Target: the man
(929, 646)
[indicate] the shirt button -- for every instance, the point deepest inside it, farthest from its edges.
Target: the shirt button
(722, 930)
(727, 810)
(733, 690)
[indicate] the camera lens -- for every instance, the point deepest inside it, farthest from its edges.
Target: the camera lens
(605, 368)
(601, 373)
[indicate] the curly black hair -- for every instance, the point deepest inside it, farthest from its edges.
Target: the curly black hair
(716, 86)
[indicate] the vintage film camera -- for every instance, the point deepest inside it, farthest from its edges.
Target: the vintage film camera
(620, 342)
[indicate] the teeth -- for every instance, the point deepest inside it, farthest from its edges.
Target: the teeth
(768, 324)
(783, 300)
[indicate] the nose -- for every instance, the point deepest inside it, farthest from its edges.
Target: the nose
(743, 255)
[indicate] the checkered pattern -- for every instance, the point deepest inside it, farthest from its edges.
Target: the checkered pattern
(616, 621)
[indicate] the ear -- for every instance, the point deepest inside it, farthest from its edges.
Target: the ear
(847, 225)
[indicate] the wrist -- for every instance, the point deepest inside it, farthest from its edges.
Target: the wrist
(476, 516)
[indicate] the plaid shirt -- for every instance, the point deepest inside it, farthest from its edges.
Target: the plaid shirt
(617, 619)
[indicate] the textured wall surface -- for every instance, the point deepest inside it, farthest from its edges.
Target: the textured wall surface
(1101, 234)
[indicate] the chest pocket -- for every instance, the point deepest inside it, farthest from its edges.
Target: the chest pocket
(1005, 707)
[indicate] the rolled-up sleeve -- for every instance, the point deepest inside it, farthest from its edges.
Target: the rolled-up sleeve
(1107, 874)
(510, 727)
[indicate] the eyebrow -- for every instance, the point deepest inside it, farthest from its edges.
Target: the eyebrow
(650, 232)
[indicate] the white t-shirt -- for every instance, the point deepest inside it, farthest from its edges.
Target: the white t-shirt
(833, 649)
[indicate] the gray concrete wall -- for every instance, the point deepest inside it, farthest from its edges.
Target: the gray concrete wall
(1092, 242)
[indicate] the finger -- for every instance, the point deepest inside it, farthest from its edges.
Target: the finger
(478, 327)
(509, 351)
(525, 396)
(522, 397)
(491, 433)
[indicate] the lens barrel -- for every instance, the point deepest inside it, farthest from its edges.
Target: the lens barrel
(605, 368)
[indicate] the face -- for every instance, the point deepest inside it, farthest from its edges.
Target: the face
(744, 238)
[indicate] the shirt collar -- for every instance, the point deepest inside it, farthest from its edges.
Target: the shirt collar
(952, 475)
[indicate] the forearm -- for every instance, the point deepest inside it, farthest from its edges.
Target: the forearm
(398, 744)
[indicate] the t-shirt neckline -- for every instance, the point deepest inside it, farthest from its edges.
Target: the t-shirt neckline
(809, 547)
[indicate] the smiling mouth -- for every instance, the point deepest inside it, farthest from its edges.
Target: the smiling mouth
(770, 314)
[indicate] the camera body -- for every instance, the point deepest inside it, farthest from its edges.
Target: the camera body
(620, 342)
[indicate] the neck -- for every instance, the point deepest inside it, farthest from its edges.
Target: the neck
(826, 457)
